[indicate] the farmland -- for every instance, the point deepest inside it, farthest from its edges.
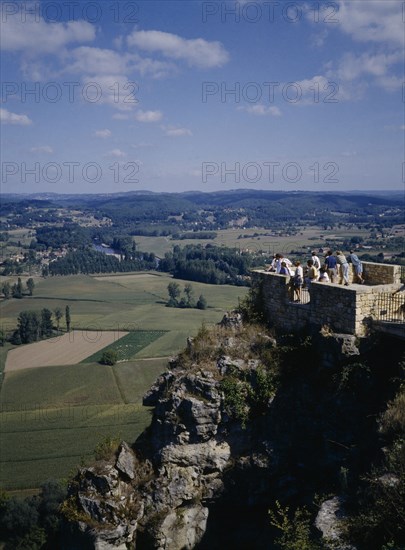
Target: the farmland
(52, 417)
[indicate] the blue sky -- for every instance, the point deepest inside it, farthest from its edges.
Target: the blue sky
(177, 96)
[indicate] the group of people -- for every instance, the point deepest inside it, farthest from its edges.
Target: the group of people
(335, 265)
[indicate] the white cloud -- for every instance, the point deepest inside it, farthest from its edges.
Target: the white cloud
(262, 110)
(177, 132)
(196, 52)
(142, 145)
(106, 133)
(402, 127)
(34, 35)
(115, 90)
(318, 40)
(91, 61)
(391, 83)
(120, 116)
(371, 21)
(42, 149)
(353, 73)
(155, 68)
(6, 117)
(352, 66)
(116, 153)
(148, 116)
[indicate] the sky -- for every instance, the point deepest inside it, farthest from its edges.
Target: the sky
(116, 96)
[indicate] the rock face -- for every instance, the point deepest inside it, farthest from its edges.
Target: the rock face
(328, 522)
(157, 493)
(240, 420)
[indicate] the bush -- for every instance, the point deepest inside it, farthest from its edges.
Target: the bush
(202, 303)
(109, 357)
(295, 529)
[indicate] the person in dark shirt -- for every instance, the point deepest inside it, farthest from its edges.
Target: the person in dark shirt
(331, 265)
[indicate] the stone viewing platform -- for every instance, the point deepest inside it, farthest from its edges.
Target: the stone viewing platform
(347, 309)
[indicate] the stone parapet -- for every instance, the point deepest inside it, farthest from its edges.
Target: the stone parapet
(381, 274)
(346, 309)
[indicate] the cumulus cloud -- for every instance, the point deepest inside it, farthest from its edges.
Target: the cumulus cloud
(116, 153)
(115, 90)
(148, 116)
(263, 110)
(370, 21)
(106, 133)
(353, 72)
(6, 117)
(352, 66)
(33, 35)
(42, 149)
(196, 52)
(89, 60)
(177, 132)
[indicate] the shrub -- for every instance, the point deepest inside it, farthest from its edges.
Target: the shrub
(295, 529)
(107, 448)
(202, 302)
(109, 357)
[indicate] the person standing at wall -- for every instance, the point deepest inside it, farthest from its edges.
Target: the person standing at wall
(316, 260)
(312, 274)
(297, 282)
(357, 266)
(343, 267)
(331, 265)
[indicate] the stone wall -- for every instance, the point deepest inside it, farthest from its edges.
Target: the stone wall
(376, 274)
(381, 274)
(343, 309)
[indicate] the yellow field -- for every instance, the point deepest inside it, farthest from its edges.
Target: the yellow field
(69, 349)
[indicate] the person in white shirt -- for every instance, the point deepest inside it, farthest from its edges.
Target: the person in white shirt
(297, 282)
(279, 260)
(316, 260)
(323, 275)
(272, 266)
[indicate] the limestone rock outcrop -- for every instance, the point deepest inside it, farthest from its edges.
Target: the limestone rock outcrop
(157, 492)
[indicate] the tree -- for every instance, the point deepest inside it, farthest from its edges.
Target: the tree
(29, 327)
(174, 292)
(46, 323)
(67, 318)
(30, 285)
(6, 290)
(58, 316)
(188, 291)
(17, 289)
(202, 302)
(109, 357)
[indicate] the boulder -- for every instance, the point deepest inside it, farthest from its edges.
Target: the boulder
(328, 522)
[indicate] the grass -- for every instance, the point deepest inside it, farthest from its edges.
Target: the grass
(53, 417)
(128, 346)
(69, 437)
(126, 302)
(269, 244)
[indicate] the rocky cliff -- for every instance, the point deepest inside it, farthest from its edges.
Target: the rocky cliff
(241, 419)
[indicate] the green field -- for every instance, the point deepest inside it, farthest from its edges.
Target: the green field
(52, 418)
(129, 345)
(133, 301)
(270, 244)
